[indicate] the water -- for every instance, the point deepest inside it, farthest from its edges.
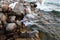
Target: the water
(31, 0)
(49, 5)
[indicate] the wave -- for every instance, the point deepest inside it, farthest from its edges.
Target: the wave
(51, 5)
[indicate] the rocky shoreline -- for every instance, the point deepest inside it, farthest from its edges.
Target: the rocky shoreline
(25, 22)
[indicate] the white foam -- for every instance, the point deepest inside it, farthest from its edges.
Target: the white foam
(38, 5)
(12, 5)
(47, 7)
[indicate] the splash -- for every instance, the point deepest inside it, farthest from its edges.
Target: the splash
(49, 5)
(12, 5)
(44, 7)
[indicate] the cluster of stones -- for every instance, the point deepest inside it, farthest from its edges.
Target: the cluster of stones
(11, 28)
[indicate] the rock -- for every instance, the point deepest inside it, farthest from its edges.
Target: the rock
(4, 18)
(11, 26)
(47, 30)
(6, 8)
(15, 36)
(18, 8)
(12, 18)
(24, 39)
(18, 22)
(1, 27)
(1, 14)
(0, 22)
(0, 9)
(10, 39)
(29, 34)
(2, 37)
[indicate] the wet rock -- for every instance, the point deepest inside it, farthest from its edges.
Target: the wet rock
(18, 8)
(30, 34)
(18, 22)
(50, 31)
(1, 14)
(0, 9)
(0, 22)
(10, 39)
(2, 37)
(12, 18)
(4, 18)
(15, 36)
(24, 39)
(1, 27)
(6, 8)
(11, 26)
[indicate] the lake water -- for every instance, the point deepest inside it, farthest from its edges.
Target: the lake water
(49, 5)
(53, 4)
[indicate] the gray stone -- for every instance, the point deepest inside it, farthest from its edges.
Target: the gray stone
(11, 26)
(12, 18)
(18, 8)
